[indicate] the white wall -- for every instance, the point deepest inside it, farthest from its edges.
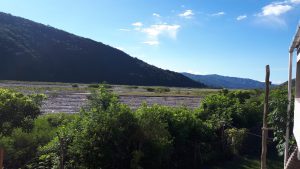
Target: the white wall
(297, 104)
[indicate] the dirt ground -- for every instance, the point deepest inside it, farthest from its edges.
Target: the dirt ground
(65, 98)
(71, 102)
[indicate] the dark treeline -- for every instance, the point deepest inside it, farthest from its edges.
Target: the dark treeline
(107, 134)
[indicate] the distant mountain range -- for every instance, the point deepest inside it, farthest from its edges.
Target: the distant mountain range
(30, 51)
(218, 81)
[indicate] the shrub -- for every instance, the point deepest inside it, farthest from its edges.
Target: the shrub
(105, 85)
(21, 147)
(235, 138)
(18, 110)
(150, 89)
(158, 89)
(75, 85)
(162, 90)
(93, 85)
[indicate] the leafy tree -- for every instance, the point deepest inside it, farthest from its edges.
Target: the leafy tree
(17, 110)
(21, 146)
(193, 140)
(235, 138)
(278, 118)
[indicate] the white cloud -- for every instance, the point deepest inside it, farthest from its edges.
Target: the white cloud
(156, 15)
(241, 17)
(275, 9)
(152, 43)
(295, 1)
(137, 24)
(125, 30)
(218, 13)
(161, 29)
(272, 14)
(271, 21)
(155, 32)
(187, 14)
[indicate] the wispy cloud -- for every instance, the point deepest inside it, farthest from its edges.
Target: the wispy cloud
(152, 43)
(156, 15)
(187, 14)
(241, 17)
(218, 14)
(137, 24)
(271, 21)
(125, 30)
(295, 1)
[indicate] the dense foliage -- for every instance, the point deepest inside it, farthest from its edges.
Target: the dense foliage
(107, 134)
(17, 110)
(34, 52)
(18, 113)
(278, 118)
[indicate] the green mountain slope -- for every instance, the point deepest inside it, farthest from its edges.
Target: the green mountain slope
(285, 84)
(31, 51)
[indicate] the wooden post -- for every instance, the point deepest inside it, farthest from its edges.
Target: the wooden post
(287, 132)
(1, 157)
(62, 151)
(265, 125)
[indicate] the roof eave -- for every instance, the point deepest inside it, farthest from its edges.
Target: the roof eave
(296, 40)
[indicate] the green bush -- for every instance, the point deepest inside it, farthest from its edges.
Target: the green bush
(93, 85)
(107, 134)
(105, 85)
(277, 118)
(162, 90)
(150, 89)
(235, 138)
(21, 146)
(18, 110)
(75, 85)
(158, 89)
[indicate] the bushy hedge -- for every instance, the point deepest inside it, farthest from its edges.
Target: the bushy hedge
(107, 134)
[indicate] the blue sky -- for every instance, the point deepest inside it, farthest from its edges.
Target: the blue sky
(228, 37)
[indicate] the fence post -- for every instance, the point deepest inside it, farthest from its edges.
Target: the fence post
(265, 125)
(1, 157)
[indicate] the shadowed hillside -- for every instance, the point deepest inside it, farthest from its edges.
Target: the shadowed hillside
(218, 81)
(34, 52)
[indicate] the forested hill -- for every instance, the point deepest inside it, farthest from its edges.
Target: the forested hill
(31, 51)
(286, 83)
(219, 81)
